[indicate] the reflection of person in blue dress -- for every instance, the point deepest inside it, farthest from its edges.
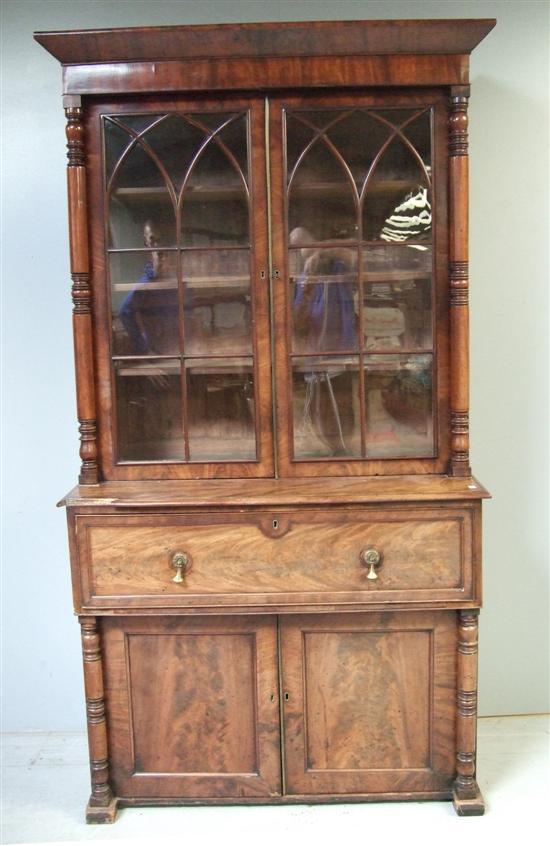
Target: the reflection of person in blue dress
(324, 313)
(129, 311)
(325, 321)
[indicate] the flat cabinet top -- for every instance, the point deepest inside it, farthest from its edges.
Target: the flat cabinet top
(302, 38)
(270, 492)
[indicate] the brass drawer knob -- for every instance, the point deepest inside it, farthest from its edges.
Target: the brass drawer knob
(180, 562)
(372, 559)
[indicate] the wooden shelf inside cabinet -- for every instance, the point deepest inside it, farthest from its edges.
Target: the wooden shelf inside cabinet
(366, 276)
(268, 544)
(379, 187)
(200, 364)
(191, 283)
(206, 193)
(310, 189)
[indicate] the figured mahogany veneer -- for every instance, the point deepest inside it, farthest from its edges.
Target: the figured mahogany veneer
(292, 39)
(194, 706)
(370, 702)
(248, 493)
(273, 670)
(275, 558)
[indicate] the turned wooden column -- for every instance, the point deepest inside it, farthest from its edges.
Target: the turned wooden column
(466, 795)
(458, 275)
(102, 804)
(81, 292)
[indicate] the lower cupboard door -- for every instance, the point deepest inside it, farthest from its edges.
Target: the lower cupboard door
(192, 706)
(369, 703)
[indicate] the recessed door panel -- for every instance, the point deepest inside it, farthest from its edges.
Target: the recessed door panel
(193, 707)
(368, 702)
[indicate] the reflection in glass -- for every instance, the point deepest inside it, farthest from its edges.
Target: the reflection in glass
(397, 297)
(221, 409)
(117, 140)
(343, 161)
(144, 300)
(411, 219)
(232, 138)
(322, 195)
(215, 198)
(326, 412)
(324, 292)
(131, 208)
(398, 392)
(298, 136)
(175, 141)
(397, 205)
(149, 415)
(217, 302)
(359, 137)
(191, 168)
(138, 122)
(138, 193)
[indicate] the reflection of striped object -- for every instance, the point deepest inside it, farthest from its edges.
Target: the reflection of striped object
(410, 219)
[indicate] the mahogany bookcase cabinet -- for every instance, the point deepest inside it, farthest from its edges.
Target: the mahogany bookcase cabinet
(275, 540)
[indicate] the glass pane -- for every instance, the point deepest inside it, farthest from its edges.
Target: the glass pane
(396, 116)
(323, 297)
(144, 303)
(397, 204)
(139, 122)
(217, 302)
(327, 422)
(321, 194)
(175, 141)
(116, 141)
(298, 136)
(399, 415)
(139, 199)
(397, 310)
(418, 132)
(233, 136)
(221, 409)
(215, 200)
(149, 413)
(358, 138)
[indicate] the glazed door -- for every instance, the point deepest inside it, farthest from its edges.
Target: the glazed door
(369, 702)
(193, 706)
(181, 288)
(360, 283)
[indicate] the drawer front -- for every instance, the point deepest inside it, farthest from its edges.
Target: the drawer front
(276, 558)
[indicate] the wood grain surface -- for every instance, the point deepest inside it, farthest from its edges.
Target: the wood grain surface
(369, 702)
(300, 38)
(268, 492)
(196, 691)
(283, 556)
(193, 706)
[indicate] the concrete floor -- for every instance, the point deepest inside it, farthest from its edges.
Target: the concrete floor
(45, 787)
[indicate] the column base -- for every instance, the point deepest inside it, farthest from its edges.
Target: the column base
(100, 814)
(473, 806)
